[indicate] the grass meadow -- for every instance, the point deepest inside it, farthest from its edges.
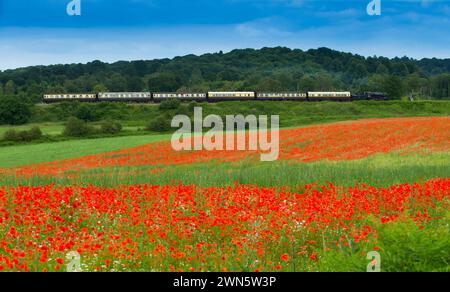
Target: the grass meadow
(338, 192)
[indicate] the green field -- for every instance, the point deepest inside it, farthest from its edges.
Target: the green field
(20, 155)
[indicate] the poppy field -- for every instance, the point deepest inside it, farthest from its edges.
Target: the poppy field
(339, 192)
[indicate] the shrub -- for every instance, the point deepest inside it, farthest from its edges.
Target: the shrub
(111, 127)
(170, 104)
(33, 134)
(11, 135)
(86, 112)
(14, 111)
(160, 124)
(76, 128)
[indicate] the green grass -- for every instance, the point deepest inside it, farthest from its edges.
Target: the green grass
(20, 155)
(379, 170)
(291, 113)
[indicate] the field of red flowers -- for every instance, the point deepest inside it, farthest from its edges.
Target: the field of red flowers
(340, 141)
(179, 227)
(186, 228)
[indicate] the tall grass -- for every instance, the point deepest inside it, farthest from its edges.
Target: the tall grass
(379, 170)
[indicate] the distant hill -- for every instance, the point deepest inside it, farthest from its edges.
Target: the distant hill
(267, 69)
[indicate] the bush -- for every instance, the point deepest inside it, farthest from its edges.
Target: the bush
(14, 111)
(170, 104)
(33, 134)
(11, 135)
(160, 124)
(111, 127)
(76, 128)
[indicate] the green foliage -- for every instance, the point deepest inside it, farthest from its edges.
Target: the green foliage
(77, 128)
(393, 86)
(403, 247)
(164, 82)
(407, 247)
(111, 127)
(160, 124)
(440, 86)
(10, 88)
(86, 113)
(291, 113)
(11, 135)
(14, 110)
(268, 69)
(33, 134)
(192, 105)
(170, 104)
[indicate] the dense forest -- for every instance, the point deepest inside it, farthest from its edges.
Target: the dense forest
(267, 69)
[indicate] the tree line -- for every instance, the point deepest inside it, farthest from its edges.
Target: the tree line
(267, 69)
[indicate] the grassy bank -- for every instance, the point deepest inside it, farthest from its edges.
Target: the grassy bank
(291, 113)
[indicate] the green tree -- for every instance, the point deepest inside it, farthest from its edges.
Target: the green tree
(393, 86)
(307, 83)
(117, 83)
(441, 86)
(196, 77)
(324, 82)
(86, 113)
(134, 84)
(413, 83)
(10, 88)
(14, 111)
(381, 69)
(100, 87)
(269, 84)
(164, 82)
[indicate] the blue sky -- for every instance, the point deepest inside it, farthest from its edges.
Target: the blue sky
(36, 32)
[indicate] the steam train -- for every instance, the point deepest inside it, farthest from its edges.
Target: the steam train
(212, 96)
